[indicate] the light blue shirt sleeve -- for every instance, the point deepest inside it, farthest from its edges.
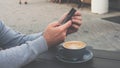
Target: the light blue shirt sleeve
(10, 38)
(19, 49)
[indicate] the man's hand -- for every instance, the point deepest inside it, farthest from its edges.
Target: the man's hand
(76, 22)
(55, 33)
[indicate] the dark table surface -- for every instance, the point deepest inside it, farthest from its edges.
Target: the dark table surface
(101, 59)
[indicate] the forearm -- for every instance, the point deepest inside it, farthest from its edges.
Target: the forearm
(10, 38)
(18, 56)
(32, 36)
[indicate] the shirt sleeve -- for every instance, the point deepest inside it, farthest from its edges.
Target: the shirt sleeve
(18, 56)
(20, 49)
(10, 38)
(32, 36)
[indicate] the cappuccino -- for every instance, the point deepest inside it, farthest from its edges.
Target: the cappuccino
(74, 45)
(72, 50)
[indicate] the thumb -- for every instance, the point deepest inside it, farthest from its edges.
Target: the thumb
(66, 25)
(54, 24)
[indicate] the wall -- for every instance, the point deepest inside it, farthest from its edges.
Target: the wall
(115, 4)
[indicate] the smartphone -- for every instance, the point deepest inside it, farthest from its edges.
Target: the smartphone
(69, 15)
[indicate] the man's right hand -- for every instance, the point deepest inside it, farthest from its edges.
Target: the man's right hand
(55, 33)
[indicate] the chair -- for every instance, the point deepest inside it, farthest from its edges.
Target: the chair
(57, 1)
(20, 2)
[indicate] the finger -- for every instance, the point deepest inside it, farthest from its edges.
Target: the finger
(77, 22)
(77, 13)
(62, 17)
(66, 25)
(74, 26)
(55, 24)
(77, 17)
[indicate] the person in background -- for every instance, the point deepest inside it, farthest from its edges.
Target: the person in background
(20, 49)
(24, 1)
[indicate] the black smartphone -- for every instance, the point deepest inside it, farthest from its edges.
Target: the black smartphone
(69, 15)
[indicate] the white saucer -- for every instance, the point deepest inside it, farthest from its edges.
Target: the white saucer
(87, 56)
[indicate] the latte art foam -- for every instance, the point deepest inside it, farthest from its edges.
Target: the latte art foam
(74, 45)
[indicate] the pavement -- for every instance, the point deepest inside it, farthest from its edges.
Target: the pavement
(37, 14)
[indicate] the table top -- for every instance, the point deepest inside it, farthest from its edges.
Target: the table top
(101, 59)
